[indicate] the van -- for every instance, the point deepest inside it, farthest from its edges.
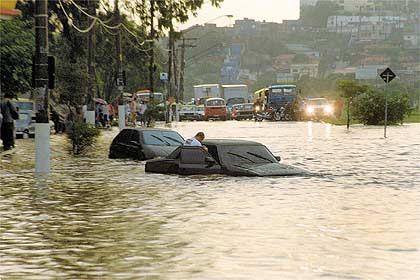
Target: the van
(215, 108)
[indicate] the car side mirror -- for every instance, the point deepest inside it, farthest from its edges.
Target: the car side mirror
(278, 158)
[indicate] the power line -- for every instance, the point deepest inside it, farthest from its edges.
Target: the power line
(71, 20)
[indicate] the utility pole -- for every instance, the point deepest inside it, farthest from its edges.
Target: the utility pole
(90, 114)
(170, 57)
(42, 127)
(120, 79)
(152, 52)
(182, 67)
(175, 71)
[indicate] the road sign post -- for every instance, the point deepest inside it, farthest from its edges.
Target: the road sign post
(387, 76)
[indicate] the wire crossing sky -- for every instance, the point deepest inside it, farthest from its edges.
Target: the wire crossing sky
(268, 10)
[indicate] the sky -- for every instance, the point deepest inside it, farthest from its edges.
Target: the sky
(269, 10)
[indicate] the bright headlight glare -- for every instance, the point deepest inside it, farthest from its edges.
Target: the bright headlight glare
(257, 108)
(310, 109)
(328, 109)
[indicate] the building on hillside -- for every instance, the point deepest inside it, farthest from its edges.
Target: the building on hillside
(369, 72)
(412, 41)
(300, 70)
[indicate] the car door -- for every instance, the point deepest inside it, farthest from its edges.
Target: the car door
(195, 160)
(121, 145)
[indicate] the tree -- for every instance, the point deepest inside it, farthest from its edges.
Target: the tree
(350, 89)
(17, 45)
(317, 16)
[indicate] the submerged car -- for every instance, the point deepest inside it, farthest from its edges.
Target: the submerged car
(144, 143)
(189, 112)
(230, 157)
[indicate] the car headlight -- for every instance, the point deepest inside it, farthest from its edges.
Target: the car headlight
(257, 108)
(310, 110)
(328, 109)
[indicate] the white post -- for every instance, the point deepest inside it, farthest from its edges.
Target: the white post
(90, 117)
(42, 148)
(84, 110)
(386, 107)
(177, 112)
(121, 117)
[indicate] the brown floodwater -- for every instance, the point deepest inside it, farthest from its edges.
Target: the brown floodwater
(357, 217)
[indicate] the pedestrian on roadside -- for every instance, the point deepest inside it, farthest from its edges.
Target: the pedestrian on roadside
(105, 118)
(10, 114)
(142, 112)
(133, 111)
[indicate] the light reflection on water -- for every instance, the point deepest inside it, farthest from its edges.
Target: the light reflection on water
(95, 218)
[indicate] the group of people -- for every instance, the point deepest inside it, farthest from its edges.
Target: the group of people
(104, 114)
(8, 114)
(137, 111)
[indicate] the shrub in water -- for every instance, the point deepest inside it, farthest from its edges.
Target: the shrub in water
(369, 107)
(82, 136)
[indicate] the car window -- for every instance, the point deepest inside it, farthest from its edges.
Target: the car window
(162, 138)
(23, 118)
(25, 106)
(135, 136)
(248, 154)
(217, 102)
(193, 156)
(123, 136)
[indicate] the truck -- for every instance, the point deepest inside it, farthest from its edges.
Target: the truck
(234, 94)
(277, 102)
(202, 92)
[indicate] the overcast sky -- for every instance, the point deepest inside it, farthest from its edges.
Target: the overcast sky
(269, 10)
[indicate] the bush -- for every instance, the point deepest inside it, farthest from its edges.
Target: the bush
(82, 136)
(369, 107)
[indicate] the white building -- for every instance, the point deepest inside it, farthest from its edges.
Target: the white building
(299, 70)
(369, 72)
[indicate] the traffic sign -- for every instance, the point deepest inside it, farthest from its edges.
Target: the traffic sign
(388, 75)
(164, 76)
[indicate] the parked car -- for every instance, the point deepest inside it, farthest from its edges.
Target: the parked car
(25, 125)
(230, 157)
(317, 108)
(200, 112)
(188, 112)
(243, 111)
(144, 143)
(215, 108)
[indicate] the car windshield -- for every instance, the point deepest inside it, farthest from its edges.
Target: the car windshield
(188, 108)
(317, 102)
(25, 106)
(248, 107)
(23, 119)
(249, 154)
(237, 100)
(215, 102)
(282, 91)
(162, 138)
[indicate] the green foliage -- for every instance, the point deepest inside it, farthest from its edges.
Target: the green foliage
(317, 16)
(369, 107)
(350, 88)
(16, 48)
(82, 137)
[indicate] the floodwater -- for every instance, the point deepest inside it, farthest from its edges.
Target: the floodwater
(95, 218)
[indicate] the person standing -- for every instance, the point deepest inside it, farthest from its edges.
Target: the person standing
(133, 111)
(142, 111)
(105, 112)
(10, 114)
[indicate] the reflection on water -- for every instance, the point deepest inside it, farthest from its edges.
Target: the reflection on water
(95, 218)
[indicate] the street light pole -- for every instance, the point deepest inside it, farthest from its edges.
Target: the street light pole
(42, 127)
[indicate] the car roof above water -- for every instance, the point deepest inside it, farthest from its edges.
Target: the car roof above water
(231, 142)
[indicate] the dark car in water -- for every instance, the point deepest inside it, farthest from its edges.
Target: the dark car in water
(230, 157)
(144, 143)
(243, 111)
